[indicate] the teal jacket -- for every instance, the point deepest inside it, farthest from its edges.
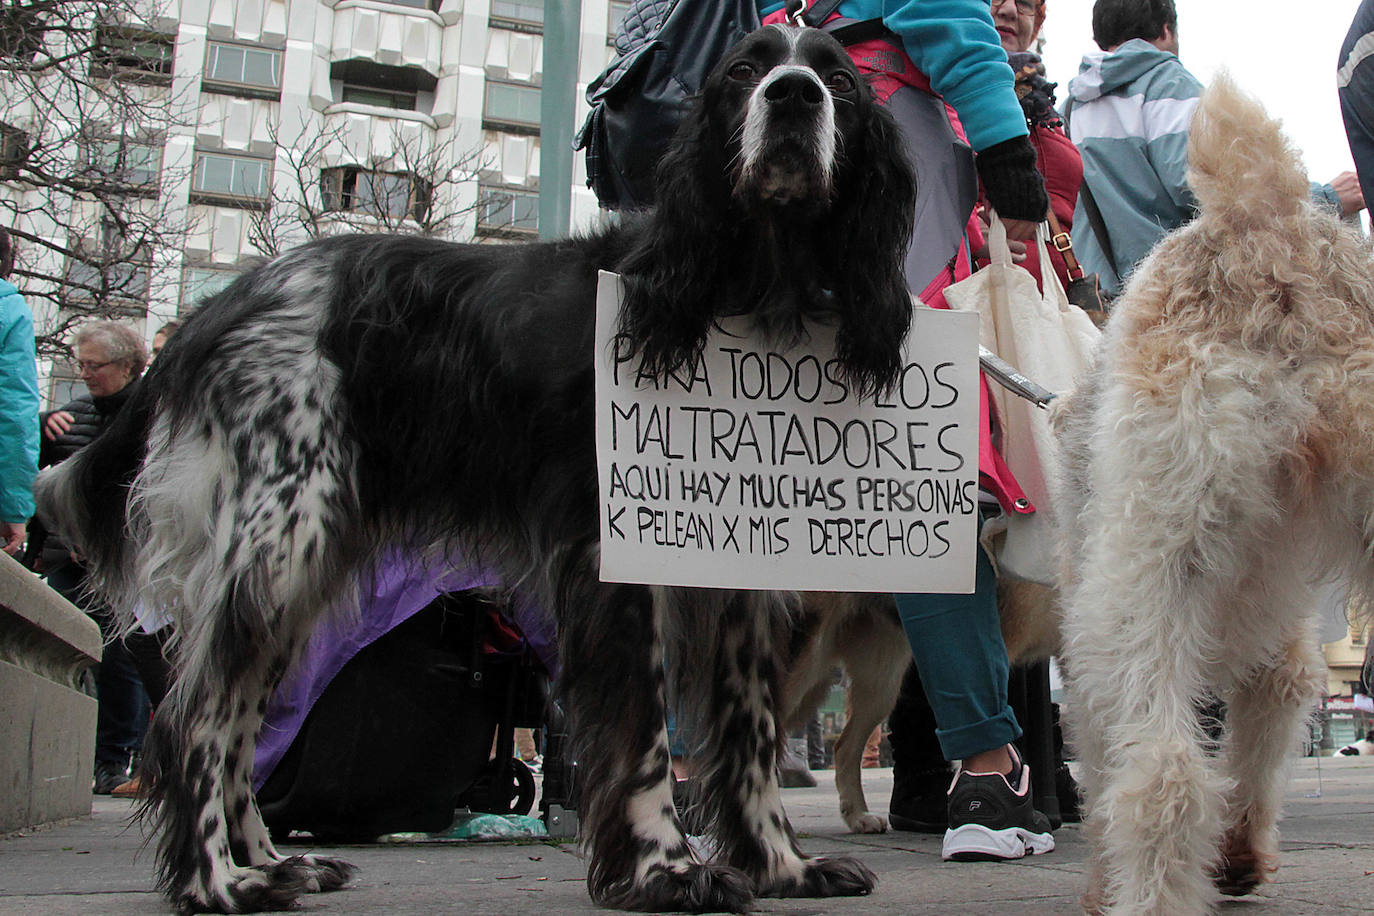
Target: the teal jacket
(18, 406)
(955, 44)
(1128, 113)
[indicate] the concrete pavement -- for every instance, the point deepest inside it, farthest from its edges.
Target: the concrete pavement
(95, 866)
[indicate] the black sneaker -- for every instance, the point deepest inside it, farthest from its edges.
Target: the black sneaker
(107, 778)
(1066, 787)
(920, 801)
(991, 817)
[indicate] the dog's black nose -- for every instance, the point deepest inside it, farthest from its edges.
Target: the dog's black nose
(795, 87)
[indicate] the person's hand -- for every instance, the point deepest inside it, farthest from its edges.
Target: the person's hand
(14, 537)
(59, 421)
(1016, 247)
(1347, 185)
(1020, 230)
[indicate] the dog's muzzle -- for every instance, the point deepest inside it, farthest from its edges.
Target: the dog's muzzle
(788, 144)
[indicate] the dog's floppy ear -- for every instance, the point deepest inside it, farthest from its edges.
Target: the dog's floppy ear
(678, 264)
(874, 207)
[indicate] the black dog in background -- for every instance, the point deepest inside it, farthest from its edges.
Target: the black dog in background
(363, 394)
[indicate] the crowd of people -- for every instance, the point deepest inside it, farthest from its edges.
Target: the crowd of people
(1106, 158)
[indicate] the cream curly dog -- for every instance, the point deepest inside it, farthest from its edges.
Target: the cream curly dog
(1223, 452)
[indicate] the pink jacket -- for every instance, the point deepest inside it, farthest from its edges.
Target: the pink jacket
(876, 59)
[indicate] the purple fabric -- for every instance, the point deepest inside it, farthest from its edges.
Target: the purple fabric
(398, 592)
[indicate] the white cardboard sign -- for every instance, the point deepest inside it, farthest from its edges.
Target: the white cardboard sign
(758, 468)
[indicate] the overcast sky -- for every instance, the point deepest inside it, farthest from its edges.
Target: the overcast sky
(1283, 53)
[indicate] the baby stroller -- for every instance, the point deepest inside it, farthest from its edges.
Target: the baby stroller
(402, 734)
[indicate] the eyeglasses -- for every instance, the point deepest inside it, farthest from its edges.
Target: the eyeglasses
(1024, 7)
(85, 365)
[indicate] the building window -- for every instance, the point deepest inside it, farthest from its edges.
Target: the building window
(431, 5)
(507, 212)
(511, 105)
(133, 54)
(125, 161)
(381, 98)
(524, 15)
(105, 275)
(198, 283)
(14, 149)
(366, 82)
(231, 179)
(243, 70)
(390, 195)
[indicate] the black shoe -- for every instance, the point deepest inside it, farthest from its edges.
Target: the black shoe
(108, 777)
(793, 773)
(991, 817)
(920, 800)
(1066, 788)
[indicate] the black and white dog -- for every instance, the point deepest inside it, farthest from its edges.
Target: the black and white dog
(363, 394)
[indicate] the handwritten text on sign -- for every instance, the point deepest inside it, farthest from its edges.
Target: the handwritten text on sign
(759, 468)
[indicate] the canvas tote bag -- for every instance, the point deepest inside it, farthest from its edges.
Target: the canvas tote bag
(1053, 343)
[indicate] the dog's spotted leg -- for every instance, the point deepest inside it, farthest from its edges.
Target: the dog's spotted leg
(1265, 716)
(739, 771)
(187, 753)
(249, 838)
(613, 680)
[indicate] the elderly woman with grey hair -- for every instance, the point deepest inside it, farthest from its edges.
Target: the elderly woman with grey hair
(109, 357)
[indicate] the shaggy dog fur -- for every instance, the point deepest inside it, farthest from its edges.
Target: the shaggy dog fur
(362, 395)
(861, 633)
(1223, 447)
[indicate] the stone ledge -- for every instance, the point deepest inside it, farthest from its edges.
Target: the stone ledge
(42, 632)
(47, 725)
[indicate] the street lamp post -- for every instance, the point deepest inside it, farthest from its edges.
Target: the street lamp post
(558, 102)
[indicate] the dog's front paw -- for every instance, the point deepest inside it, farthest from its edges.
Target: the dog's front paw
(828, 876)
(865, 822)
(688, 888)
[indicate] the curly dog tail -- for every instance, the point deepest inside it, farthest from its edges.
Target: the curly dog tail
(1241, 166)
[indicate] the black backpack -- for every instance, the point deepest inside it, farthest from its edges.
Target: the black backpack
(664, 51)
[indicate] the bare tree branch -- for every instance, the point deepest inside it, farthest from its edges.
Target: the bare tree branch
(85, 109)
(323, 185)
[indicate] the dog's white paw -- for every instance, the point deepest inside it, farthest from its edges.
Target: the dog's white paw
(866, 823)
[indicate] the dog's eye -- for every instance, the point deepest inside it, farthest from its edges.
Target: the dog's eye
(839, 81)
(743, 71)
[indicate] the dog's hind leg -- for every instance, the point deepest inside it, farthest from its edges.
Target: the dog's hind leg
(245, 537)
(248, 835)
(613, 683)
(214, 852)
(738, 772)
(1155, 807)
(1266, 713)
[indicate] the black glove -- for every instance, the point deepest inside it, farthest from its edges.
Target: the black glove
(1013, 184)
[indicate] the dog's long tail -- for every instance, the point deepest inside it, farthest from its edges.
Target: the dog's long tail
(85, 498)
(1241, 166)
